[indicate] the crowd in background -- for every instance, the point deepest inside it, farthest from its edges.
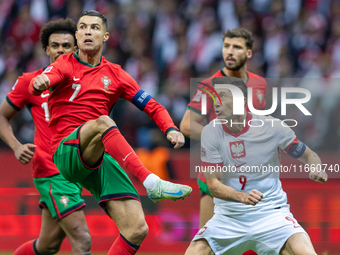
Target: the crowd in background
(162, 44)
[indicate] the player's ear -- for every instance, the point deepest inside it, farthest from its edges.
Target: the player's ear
(106, 36)
(249, 53)
(75, 48)
(47, 50)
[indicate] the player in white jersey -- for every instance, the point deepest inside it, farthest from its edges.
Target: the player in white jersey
(240, 156)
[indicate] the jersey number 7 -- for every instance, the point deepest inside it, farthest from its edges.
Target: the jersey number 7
(76, 88)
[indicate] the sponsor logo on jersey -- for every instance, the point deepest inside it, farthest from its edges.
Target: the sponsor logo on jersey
(127, 156)
(48, 69)
(237, 166)
(200, 232)
(203, 153)
(64, 200)
(45, 95)
(237, 149)
(106, 81)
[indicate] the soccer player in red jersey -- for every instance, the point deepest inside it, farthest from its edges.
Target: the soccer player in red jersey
(85, 86)
(237, 49)
(61, 201)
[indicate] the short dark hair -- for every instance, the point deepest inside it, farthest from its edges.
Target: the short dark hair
(96, 14)
(240, 33)
(60, 26)
(233, 81)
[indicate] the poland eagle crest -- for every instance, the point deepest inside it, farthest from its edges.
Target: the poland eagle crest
(237, 149)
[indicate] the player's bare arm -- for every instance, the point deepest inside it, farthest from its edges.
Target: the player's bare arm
(315, 170)
(23, 152)
(41, 82)
(219, 190)
(191, 125)
(176, 138)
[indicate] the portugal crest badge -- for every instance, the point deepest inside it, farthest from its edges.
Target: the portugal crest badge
(64, 200)
(106, 81)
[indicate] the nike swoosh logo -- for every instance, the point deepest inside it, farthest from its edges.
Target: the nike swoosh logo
(297, 226)
(45, 95)
(180, 192)
(76, 79)
(127, 156)
(240, 165)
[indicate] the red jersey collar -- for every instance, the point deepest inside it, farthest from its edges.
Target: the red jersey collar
(223, 73)
(245, 129)
(75, 55)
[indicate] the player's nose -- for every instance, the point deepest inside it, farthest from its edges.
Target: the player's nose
(88, 30)
(61, 49)
(230, 51)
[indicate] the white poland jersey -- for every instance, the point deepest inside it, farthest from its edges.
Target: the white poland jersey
(253, 147)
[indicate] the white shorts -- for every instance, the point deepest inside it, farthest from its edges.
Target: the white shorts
(263, 232)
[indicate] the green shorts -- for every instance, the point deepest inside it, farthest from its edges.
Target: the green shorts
(203, 188)
(58, 195)
(106, 181)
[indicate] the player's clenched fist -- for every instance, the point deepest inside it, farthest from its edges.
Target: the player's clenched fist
(176, 138)
(41, 82)
(318, 176)
(253, 197)
(24, 152)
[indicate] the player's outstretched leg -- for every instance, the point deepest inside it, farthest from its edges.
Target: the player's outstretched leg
(168, 190)
(129, 218)
(102, 134)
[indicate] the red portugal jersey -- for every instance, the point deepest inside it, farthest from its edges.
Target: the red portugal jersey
(82, 92)
(42, 164)
(254, 81)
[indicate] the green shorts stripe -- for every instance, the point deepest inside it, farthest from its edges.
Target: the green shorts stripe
(59, 196)
(106, 181)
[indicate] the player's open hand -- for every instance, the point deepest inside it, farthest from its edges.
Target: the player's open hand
(176, 138)
(25, 152)
(253, 197)
(41, 82)
(318, 176)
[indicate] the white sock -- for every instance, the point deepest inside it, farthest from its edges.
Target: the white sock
(150, 181)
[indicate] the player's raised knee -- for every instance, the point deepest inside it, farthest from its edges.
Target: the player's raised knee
(104, 122)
